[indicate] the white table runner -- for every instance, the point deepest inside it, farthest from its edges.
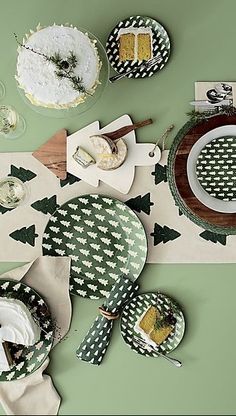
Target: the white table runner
(177, 239)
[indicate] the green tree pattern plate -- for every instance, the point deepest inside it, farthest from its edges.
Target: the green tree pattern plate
(104, 239)
(216, 168)
(28, 359)
(134, 310)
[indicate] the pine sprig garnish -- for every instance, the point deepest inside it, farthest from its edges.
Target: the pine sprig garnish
(196, 116)
(64, 68)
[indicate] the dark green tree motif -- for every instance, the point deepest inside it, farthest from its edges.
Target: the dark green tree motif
(164, 234)
(180, 212)
(46, 205)
(25, 235)
(70, 179)
(160, 173)
(3, 210)
(140, 203)
(24, 175)
(214, 237)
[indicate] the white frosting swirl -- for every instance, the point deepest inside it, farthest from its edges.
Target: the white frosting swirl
(37, 76)
(17, 324)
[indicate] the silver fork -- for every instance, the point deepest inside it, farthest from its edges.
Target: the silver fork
(146, 346)
(146, 65)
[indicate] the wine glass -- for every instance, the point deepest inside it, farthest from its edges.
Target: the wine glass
(2, 90)
(13, 192)
(12, 124)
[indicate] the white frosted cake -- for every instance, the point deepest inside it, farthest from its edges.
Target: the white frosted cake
(38, 76)
(16, 326)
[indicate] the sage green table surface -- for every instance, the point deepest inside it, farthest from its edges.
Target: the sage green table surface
(203, 48)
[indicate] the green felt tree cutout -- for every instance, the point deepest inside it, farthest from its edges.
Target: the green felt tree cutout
(70, 179)
(25, 235)
(180, 213)
(164, 234)
(46, 205)
(160, 173)
(24, 175)
(214, 237)
(3, 210)
(140, 203)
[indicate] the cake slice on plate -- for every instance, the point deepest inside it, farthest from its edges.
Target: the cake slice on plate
(155, 327)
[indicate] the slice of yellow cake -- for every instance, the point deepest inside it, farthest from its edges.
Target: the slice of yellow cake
(148, 320)
(159, 335)
(135, 44)
(144, 46)
(155, 327)
(127, 47)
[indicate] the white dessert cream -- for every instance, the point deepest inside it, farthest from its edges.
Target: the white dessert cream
(38, 77)
(17, 326)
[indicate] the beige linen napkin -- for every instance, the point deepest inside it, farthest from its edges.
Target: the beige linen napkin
(35, 394)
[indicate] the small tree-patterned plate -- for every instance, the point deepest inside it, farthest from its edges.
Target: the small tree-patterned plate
(28, 359)
(136, 308)
(160, 44)
(104, 239)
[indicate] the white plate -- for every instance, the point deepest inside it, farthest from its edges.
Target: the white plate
(206, 199)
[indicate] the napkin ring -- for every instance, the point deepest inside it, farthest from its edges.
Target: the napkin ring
(108, 315)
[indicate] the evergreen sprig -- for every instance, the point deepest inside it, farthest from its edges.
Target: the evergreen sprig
(64, 68)
(168, 316)
(197, 116)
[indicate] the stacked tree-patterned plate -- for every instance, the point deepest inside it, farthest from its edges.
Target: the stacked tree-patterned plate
(202, 173)
(28, 359)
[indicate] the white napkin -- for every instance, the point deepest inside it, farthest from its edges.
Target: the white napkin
(35, 394)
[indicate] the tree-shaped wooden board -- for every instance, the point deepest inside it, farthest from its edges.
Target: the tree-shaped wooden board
(121, 178)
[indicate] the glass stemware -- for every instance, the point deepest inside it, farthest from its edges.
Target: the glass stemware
(12, 124)
(2, 90)
(13, 192)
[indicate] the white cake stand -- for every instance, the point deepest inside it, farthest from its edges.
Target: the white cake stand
(90, 100)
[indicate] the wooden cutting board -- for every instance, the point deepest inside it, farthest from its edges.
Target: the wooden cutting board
(181, 178)
(52, 154)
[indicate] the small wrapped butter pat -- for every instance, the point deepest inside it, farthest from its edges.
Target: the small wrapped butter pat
(83, 158)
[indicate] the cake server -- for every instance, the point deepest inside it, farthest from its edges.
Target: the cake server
(157, 59)
(144, 345)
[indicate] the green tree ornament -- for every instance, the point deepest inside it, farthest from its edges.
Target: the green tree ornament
(46, 205)
(164, 234)
(24, 175)
(25, 235)
(140, 203)
(214, 237)
(70, 179)
(160, 173)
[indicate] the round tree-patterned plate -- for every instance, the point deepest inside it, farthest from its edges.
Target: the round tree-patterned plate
(160, 45)
(104, 239)
(28, 359)
(211, 169)
(216, 168)
(136, 308)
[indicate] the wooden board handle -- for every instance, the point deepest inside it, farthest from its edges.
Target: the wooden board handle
(117, 134)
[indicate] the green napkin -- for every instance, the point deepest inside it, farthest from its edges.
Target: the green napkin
(94, 346)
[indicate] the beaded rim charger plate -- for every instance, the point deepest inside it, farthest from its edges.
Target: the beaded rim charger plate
(211, 169)
(135, 309)
(28, 359)
(160, 44)
(104, 239)
(188, 203)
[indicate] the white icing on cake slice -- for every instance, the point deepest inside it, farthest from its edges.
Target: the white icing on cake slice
(17, 324)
